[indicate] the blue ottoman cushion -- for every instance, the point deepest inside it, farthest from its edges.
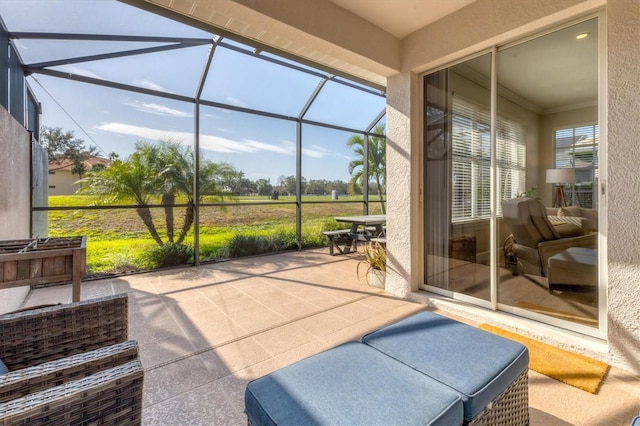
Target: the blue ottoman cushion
(477, 364)
(350, 384)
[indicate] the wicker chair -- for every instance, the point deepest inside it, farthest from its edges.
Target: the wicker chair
(70, 364)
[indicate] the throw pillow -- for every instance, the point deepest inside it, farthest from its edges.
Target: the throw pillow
(591, 214)
(569, 211)
(3, 368)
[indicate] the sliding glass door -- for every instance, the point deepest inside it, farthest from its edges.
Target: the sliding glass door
(457, 175)
(507, 134)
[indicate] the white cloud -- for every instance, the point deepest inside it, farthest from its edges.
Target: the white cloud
(315, 151)
(208, 142)
(149, 85)
(218, 144)
(220, 129)
(208, 115)
(286, 148)
(235, 101)
(157, 109)
(143, 132)
(79, 71)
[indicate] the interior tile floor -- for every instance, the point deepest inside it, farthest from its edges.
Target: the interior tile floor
(205, 331)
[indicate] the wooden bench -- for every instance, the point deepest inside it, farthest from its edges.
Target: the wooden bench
(337, 237)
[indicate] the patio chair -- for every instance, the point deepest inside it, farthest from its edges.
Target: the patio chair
(70, 364)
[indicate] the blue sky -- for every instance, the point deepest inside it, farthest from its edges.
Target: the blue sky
(114, 119)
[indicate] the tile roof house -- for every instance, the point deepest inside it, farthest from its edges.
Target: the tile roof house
(62, 180)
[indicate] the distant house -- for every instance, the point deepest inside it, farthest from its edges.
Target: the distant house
(62, 181)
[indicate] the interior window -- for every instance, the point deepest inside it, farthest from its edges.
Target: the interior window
(577, 148)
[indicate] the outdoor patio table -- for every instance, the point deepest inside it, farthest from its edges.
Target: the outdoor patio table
(365, 227)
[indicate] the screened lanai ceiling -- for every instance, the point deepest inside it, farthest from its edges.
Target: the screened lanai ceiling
(114, 75)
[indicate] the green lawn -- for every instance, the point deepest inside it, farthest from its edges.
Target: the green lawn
(118, 241)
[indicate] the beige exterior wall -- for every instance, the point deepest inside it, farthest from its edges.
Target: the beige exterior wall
(15, 205)
(623, 180)
(403, 254)
(62, 182)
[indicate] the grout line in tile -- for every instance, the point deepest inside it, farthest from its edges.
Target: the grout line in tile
(249, 335)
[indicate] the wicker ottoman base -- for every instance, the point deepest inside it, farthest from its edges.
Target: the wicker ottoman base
(511, 407)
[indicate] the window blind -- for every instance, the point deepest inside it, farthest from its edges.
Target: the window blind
(471, 160)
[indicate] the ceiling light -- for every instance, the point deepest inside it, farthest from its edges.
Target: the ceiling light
(582, 36)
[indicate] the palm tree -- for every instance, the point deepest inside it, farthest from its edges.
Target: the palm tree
(135, 179)
(177, 172)
(377, 165)
(164, 169)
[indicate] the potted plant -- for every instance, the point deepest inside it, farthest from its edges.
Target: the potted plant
(375, 259)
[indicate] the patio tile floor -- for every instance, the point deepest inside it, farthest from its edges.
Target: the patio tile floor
(205, 331)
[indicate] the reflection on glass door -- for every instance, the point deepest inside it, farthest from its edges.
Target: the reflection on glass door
(544, 143)
(457, 178)
(550, 255)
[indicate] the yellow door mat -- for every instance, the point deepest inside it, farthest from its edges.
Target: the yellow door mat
(573, 369)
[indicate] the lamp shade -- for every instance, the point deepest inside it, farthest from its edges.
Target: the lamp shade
(561, 175)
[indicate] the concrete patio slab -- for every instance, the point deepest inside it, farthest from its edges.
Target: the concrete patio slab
(205, 331)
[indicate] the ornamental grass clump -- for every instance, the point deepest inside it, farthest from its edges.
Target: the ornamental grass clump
(169, 254)
(375, 257)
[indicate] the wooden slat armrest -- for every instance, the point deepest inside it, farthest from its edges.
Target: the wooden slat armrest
(112, 396)
(33, 337)
(19, 383)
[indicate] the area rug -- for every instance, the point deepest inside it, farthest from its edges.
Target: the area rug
(591, 322)
(573, 369)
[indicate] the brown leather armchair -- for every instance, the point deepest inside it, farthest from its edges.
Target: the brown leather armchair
(535, 239)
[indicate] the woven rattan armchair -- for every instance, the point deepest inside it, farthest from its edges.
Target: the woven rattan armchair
(70, 364)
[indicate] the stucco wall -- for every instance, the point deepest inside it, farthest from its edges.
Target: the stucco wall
(14, 198)
(623, 186)
(401, 172)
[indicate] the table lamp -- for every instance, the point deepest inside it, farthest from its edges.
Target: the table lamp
(560, 177)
